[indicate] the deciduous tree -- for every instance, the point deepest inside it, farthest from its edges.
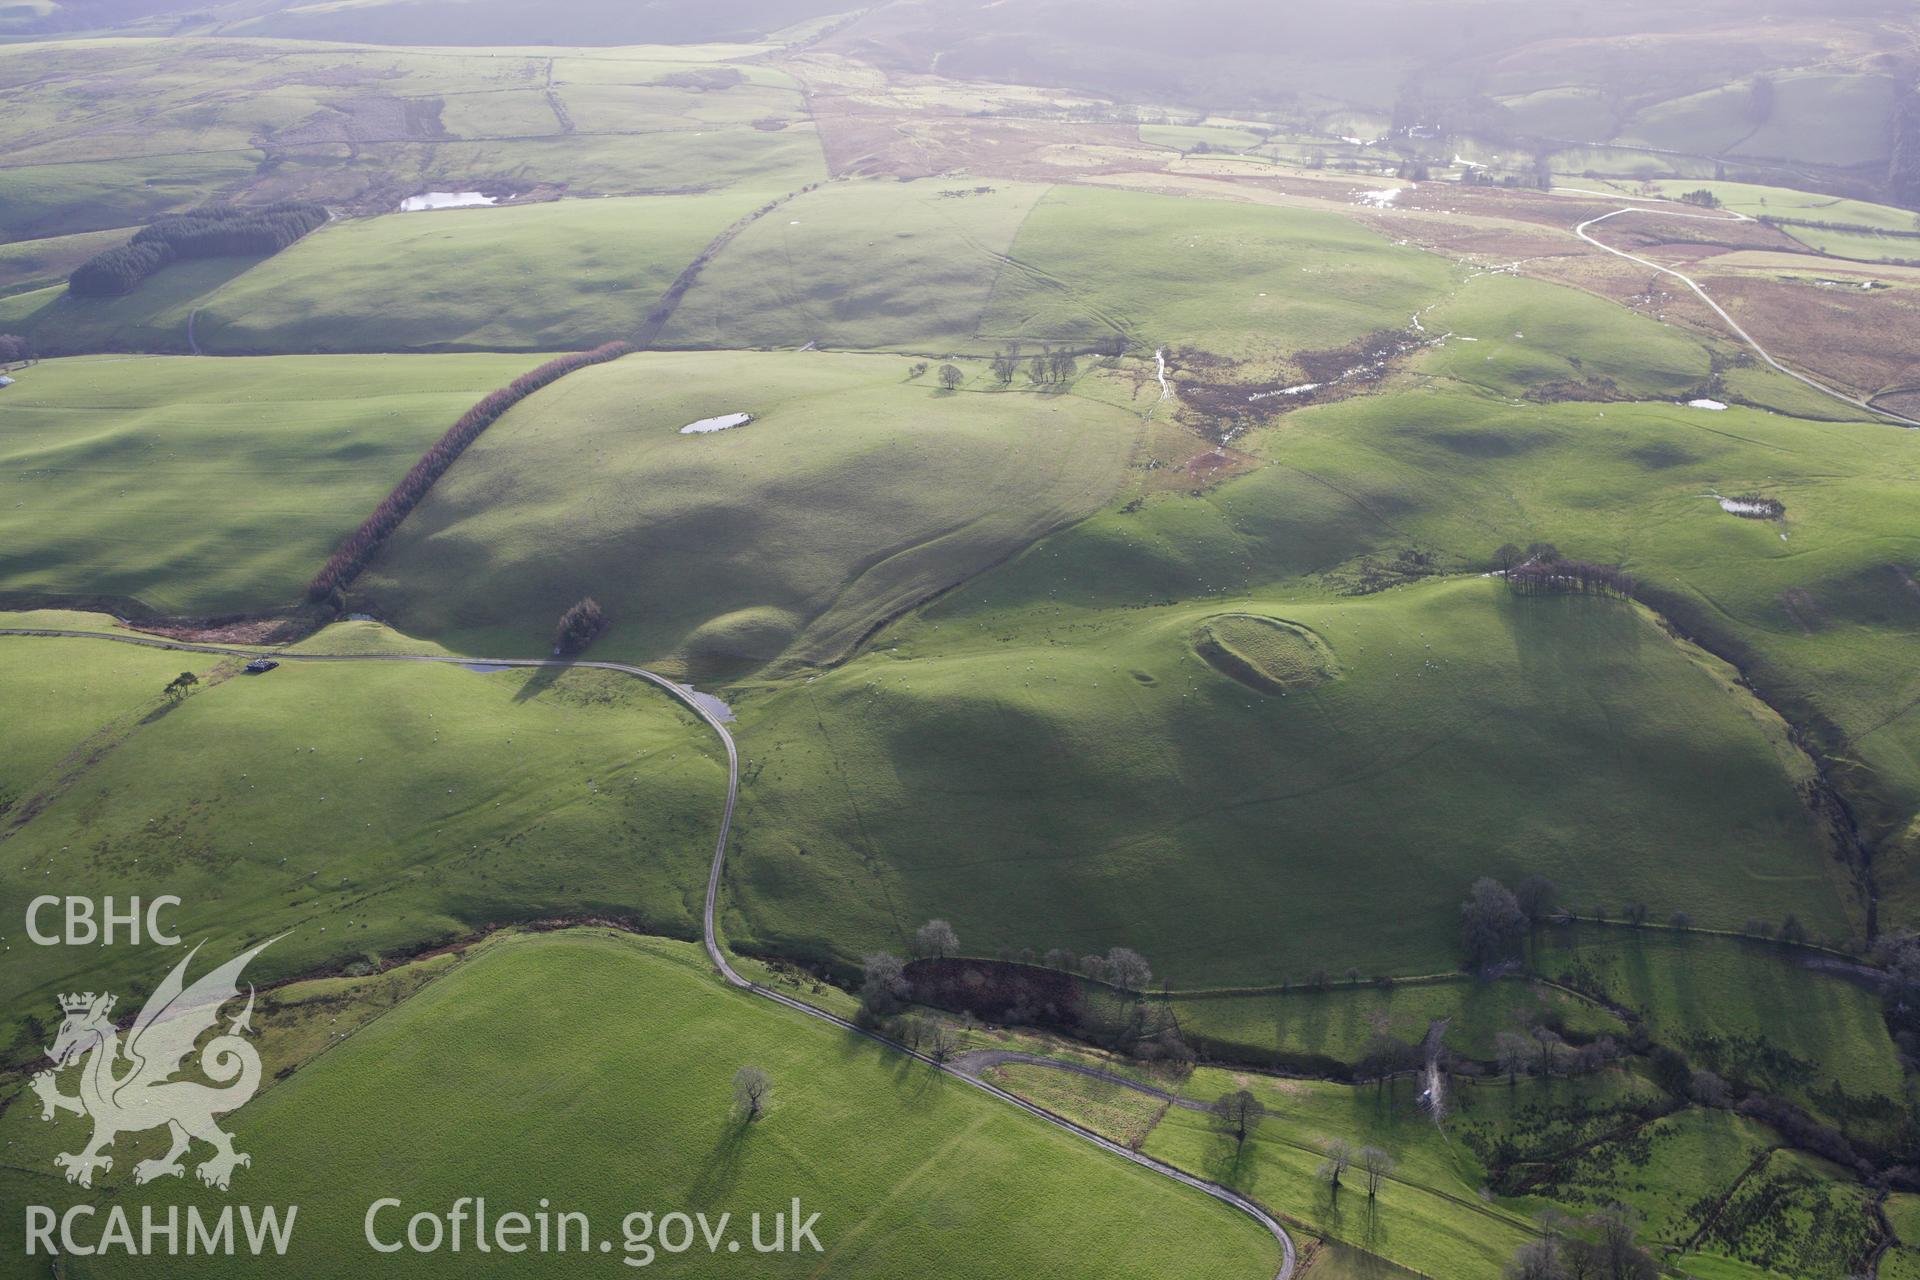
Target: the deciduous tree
(1512, 1051)
(883, 985)
(751, 1088)
(1491, 923)
(1535, 896)
(1339, 1158)
(936, 940)
(1235, 1114)
(1378, 1166)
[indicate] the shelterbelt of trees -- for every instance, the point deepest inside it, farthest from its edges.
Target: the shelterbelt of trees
(217, 231)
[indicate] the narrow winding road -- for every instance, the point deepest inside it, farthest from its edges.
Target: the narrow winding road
(1731, 323)
(1288, 1255)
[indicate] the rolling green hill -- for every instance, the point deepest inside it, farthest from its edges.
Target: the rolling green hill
(109, 465)
(1051, 777)
(370, 808)
(867, 265)
(856, 492)
(563, 275)
(109, 133)
(597, 1071)
(1220, 278)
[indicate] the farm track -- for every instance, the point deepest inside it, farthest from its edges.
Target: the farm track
(1739, 332)
(709, 934)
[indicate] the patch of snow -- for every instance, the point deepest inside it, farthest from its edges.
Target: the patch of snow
(1715, 405)
(720, 423)
(1300, 390)
(446, 200)
(1380, 198)
(1735, 507)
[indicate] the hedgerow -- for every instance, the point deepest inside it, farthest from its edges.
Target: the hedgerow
(353, 555)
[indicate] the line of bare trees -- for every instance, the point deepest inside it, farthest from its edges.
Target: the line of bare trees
(1376, 1166)
(1576, 577)
(1601, 1246)
(1541, 570)
(1049, 366)
(354, 554)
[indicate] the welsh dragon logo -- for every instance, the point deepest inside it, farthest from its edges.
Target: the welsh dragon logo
(129, 1087)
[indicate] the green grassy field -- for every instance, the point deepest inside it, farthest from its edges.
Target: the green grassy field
(1038, 660)
(1903, 1215)
(1527, 334)
(938, 265)
(1720, 1192)
(108, 467)
(35, 264)
(1205, 137)
(1701, 1181)
(71, 197)
(1333, 1261)
(1246, 282)
(108, 133)
(20, 311)
(564, 275)
(1429, 1217)
(1784, 202)
(1861, 246)
(1057, 777)
(432, 22)
(856, 493)
(1747, 1011)
(596, 1070)
(1813, 608)
(1827, 118)
(153, 318)
(66, 697)
(1340, 1024)
(1674, 1171)
(1796, 1216)
(866, 264)
(1113, 1110)
(368, 808)
(1708, 123)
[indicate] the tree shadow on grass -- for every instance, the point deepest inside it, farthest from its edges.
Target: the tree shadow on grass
(1332, 1217)
(721, 1172)
(537, 683)
(1372, 1235)
(1228, 1163)
(911, 1076)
